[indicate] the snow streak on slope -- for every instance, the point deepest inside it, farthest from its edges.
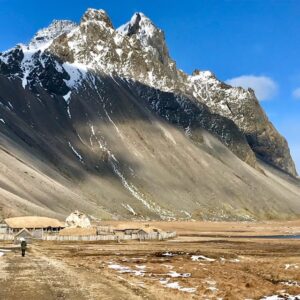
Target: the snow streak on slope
(76, 153)
(114, 163)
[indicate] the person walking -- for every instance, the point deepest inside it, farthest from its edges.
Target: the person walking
(23, 246)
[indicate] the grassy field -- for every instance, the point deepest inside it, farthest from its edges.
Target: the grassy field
(187, 267)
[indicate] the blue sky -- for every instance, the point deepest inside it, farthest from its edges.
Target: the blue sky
(249, 42)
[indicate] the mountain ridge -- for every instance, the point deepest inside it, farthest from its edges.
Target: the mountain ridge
(68, 87)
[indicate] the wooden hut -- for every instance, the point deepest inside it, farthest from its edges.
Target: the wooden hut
(126, 229)
(25, 234)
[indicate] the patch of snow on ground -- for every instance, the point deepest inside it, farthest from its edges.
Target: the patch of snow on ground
(2, 121)
(291, 266)
(124, 269)
(140, 267)
(212, 285)
(291, 283)
(174, 274)
(168, 254)
(175, 285)
(201, 257)
(281, 297)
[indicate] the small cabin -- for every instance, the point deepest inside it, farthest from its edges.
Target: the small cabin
(126, 231)
(25, 234)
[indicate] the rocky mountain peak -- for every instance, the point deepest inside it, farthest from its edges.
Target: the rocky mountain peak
(149, 35)
(97, 15)
(138, 23)
(196, 72)
(203, 75)
(55, 29)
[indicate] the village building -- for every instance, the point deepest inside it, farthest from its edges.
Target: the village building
(104, 230)
(33, 224)
(25, 234)
(77, 227)
(125, 229)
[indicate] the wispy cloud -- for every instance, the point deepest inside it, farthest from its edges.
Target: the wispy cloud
(265, 87)
(296, 93)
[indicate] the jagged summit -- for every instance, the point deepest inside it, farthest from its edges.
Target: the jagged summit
(55, 29)
(139, 22)
(97, 15)
(148, 34)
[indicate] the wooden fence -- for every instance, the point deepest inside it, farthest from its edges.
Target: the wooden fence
(90, 238)
(7, 237)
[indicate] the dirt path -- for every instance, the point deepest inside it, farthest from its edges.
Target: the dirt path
(38, 276)
(33, 277)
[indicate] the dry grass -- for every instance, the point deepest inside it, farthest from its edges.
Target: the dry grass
(236, 268)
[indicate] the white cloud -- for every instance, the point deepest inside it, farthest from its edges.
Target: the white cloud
(265, 88)
(296, 93)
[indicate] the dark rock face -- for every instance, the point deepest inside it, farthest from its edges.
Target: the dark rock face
(108, 116)
(10, 63)
(243, 108)
(189, 115)
(135, 25)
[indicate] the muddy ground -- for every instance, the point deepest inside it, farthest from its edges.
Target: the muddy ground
(187, 267)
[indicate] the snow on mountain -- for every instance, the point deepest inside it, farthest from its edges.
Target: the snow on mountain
(113, 102)
(137, 51)
(45, 36)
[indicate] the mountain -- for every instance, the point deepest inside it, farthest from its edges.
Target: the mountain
(101, 120)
